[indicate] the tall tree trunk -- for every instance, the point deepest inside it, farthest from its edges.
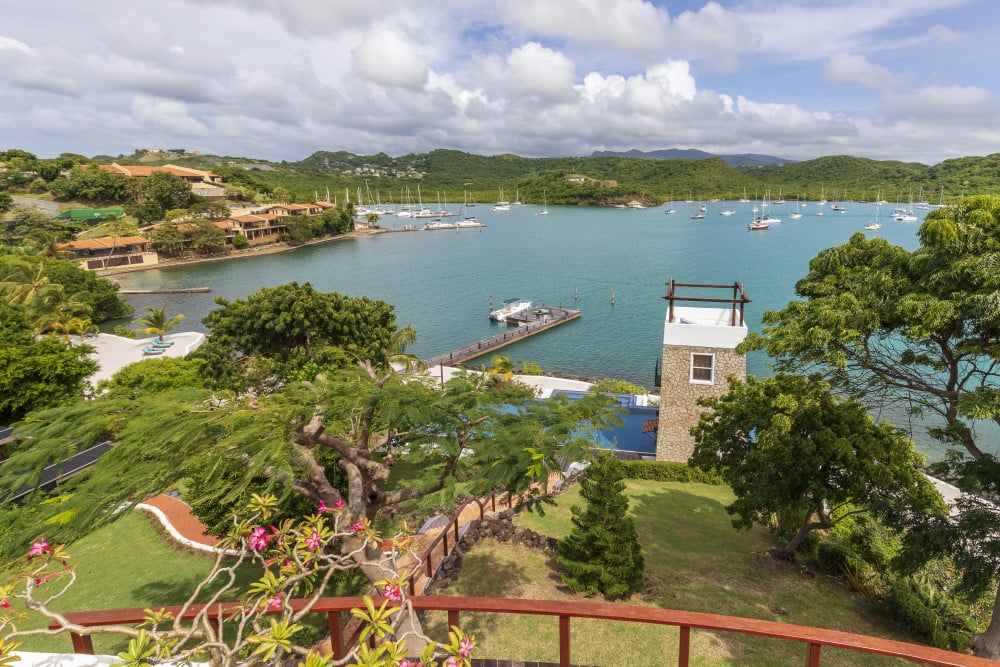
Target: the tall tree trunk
(788, 551)
(987, 645)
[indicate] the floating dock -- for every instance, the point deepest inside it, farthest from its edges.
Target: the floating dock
(531, 322)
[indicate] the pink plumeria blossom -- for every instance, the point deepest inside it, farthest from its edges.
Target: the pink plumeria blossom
(465, 647)
(452, 661)
(338, 503)
(358, 526)
(322, 508)
(5, 604)
(392, 592)
(259, 539)
(38, 548)
(314, 541)
(274, 603)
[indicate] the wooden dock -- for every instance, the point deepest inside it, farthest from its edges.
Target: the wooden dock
(176, 290)
(529, 323)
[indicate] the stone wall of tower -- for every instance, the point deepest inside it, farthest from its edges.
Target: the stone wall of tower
(679, 409)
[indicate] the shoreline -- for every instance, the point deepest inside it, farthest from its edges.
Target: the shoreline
(269, 249)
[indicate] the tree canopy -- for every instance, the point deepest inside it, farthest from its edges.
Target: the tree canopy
(919, 329)
(278, 330)
(788, 446)
(37, 373)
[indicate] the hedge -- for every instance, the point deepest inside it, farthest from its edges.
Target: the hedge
(669, 471)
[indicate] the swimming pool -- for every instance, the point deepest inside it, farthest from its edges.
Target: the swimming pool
(629, 436)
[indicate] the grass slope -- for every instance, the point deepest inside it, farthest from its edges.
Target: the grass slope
(695, 561)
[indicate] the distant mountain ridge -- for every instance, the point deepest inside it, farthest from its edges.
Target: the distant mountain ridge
(740, 160)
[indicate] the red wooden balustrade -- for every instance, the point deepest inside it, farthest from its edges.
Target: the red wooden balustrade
(814, 638)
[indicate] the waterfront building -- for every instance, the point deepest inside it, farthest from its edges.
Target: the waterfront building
(699, 356)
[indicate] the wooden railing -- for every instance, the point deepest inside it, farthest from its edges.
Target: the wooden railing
(426, 557)
(814, 639)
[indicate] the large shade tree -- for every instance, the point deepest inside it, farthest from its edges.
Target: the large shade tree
(919, 329)
(789, 447)
(334, 437)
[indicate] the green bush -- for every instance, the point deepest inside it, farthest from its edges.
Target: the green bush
(668, 471)
(239, 242)
(906, 606)
(832, 555)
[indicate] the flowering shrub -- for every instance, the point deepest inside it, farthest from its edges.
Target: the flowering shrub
(299, 559)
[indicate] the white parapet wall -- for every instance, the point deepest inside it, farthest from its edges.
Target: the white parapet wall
(703, 327)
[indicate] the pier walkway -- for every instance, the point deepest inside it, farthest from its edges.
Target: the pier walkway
(529, 323)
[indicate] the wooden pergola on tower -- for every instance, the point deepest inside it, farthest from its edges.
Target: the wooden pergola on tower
(699, 355)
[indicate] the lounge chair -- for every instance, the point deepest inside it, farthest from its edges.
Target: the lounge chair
(152, 350)
(163, 343)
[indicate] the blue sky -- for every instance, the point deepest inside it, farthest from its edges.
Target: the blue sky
(912, 80)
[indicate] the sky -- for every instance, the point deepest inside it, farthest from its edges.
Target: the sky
(911, 80)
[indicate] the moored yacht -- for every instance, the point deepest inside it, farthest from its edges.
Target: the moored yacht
(510, 307)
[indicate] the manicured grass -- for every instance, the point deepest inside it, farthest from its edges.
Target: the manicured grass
(127, 564)
(695, 561)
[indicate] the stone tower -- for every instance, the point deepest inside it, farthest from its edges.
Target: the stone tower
(699, 354)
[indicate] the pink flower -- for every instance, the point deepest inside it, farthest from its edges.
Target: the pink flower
(322, 508)
(405, 663)
(452, 661)
(313, 541)
(338, 503)
(358, 526)
(392, 592)
(259, 539)
(4, 604)
(38, 548)
(465, 647)
(274, 604)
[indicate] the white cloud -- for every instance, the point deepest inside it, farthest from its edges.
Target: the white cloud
(388, 58)
(942, 34)
(166, 117)
(848, 68)
(538, 72)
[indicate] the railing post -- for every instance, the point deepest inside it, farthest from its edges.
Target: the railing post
(452, 618)
(813, 659)
(564, 641)
(684, 646)
(82, 644)
(337, 632)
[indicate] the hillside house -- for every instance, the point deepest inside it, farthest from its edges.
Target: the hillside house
(109, 252)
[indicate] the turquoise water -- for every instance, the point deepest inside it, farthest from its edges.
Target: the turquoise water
(441, 281)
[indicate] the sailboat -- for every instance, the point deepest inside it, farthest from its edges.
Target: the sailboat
(795, 215)
(545, 205)
(744, 200)
(670, 205)
(501, 204)
(875, 223)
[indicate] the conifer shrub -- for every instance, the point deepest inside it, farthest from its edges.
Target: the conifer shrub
(602, 555)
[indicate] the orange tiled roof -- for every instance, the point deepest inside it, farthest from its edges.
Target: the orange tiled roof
(267, 217)
(105, 243)
(139, 171)
(325, 204)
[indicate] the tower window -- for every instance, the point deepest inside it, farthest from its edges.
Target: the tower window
(702, 368)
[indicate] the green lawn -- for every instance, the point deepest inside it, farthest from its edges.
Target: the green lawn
(695, 561)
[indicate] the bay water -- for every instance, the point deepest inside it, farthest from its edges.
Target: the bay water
(441, 281)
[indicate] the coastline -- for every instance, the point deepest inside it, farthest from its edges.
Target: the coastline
(269, 249)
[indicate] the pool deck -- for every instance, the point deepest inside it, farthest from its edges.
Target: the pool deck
(113, 353)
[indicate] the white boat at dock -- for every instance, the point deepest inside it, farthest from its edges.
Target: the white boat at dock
(458, 224)
(510, 307)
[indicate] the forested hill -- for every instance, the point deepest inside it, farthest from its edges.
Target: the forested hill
(739, 160)
(595, 180)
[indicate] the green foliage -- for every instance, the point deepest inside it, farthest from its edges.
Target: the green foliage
(669, 471)
(920, 328)
(292, 325)
(154, 375)
(96, 291)
(37, 373)
(239, 242)
(165, 190)
(612, 386)
(844, 463)
(92, 185)
(602, 553)
(167, 238)
(833, 556)
(6, 202)
(206, 238)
